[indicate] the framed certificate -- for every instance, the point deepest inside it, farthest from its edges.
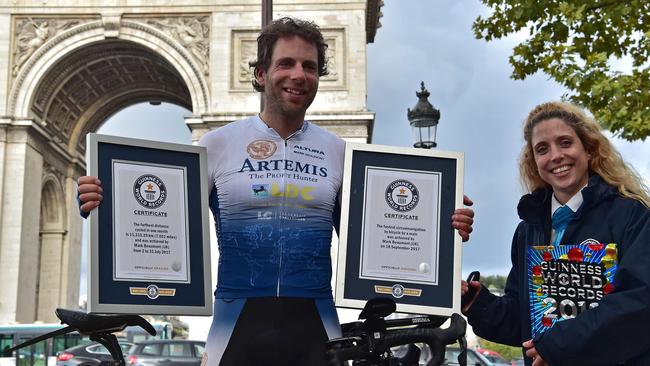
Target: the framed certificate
(396, 238)
(149, 239)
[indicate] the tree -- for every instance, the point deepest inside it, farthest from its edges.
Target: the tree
(508, 352)
(579, 44)
(497, 281)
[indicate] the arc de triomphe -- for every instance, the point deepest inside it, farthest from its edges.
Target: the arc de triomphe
(68, 65)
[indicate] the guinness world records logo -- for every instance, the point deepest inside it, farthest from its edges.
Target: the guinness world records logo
(149, 191)
(402, 195)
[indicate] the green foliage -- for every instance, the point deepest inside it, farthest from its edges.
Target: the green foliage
(576, 43)
(508, 352)
(498, 281)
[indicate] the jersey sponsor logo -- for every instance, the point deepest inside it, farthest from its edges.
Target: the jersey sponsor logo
(260, 190)
(309, 149)
(261, 149)
(309, 152)
(281, 164)
(402, 195)
(149, 191)
(292, 191)
(269, 215)
(264, 215)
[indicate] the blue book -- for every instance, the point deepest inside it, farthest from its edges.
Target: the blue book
(565, 280)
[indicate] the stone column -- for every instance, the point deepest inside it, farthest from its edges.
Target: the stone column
(19, 225)
(71, 260)
(51, 268)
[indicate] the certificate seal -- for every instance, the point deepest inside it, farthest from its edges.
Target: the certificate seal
(402, 195)
(149, 191)
(397, 291)
(152, 292)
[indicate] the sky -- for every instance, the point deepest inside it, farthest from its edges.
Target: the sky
(481, 109)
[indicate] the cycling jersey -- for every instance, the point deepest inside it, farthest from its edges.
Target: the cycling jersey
(273, 200)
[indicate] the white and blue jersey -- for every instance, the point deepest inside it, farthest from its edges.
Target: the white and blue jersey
(273, 201)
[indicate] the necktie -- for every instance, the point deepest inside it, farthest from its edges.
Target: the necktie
(559, 221)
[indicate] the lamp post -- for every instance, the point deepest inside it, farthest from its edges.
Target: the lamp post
(423, 120)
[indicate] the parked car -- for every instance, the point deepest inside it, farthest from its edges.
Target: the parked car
(494, 357)
(92, 354)
(473, 358)
(518, 362)
(167, 352)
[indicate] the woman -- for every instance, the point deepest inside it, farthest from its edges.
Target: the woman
(568, 163)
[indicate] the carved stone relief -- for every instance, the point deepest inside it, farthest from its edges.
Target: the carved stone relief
(244, 50)
(248, 55)
(192, 32)
(31, 33)
(336, 59)
(50, 170)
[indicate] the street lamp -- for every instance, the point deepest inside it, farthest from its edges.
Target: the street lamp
(424, 120)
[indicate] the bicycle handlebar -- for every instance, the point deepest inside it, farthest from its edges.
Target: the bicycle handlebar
(98, 327)
(360, 347)
(436, 339)
(92, 323)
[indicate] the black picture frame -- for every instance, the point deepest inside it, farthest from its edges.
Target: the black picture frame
(368, 250)
(109, 293)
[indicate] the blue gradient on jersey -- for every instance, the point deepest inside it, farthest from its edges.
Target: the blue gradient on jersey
(273, 202)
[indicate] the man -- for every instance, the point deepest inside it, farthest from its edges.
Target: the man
(274, 185)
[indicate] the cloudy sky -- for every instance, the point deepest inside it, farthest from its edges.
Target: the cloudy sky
(482, 110)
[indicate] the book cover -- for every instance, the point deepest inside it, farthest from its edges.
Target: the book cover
(565, 280)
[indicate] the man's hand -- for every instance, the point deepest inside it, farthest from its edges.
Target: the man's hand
(463, 218)
(532, 353)
(90, 193)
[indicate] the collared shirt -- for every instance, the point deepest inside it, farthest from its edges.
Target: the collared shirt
(574, 204)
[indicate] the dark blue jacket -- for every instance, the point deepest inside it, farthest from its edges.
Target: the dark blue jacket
(618, 330)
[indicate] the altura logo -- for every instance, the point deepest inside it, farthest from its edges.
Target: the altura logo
(281, 164)
(309, 149)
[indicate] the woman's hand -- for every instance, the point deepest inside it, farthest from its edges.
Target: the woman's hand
(532, 353)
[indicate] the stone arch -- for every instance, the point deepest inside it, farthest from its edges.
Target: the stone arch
(52, 202)
(51, 252)
(67, 87)
(44, 76)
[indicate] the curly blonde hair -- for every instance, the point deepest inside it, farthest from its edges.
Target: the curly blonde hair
(605, 160)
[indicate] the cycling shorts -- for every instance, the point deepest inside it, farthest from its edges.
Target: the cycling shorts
(277, 331)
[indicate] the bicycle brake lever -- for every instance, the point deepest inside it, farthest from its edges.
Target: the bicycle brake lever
(471, 292)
